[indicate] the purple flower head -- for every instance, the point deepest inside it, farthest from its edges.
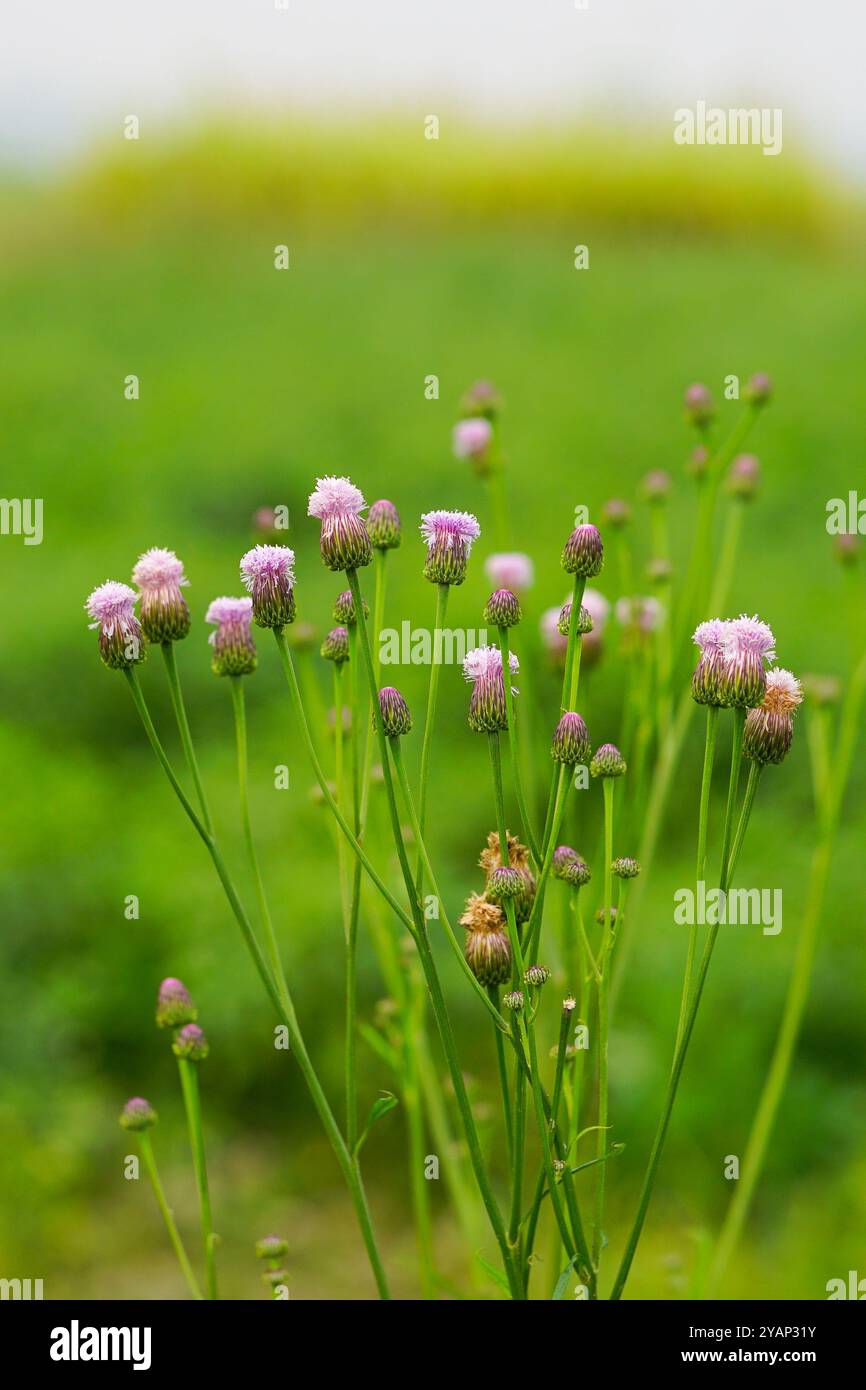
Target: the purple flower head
(504, 883)
(510, 570)
(164, 612)
(769, 730)
(137, 1114)
(583, 553)
(268, 571)
(449, 537)
(472, 438)
(699, 406)
(383, 525)
(711, 638)
(121, 643)
(759, 388)
(191, 1043)
(607, 761)
(234, 652)
(748, 645)
(487, 708)
(345, 543)
(336, 645)
(174, 1005)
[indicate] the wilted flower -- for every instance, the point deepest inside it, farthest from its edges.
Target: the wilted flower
(336, 645)
(345, 543)
(769, 730)
(502, 609)
(583, 553)
(394, 712)
(487, 708)
(234, 652)
(487, 948)
(191, 1043)
(607, 761)
(571, 742)
(268, 571)
(510, 570)
(383, 525)
(699, 406)
(449, 537)
(137, 1114)
(164, 612)
(121, 643)
(174, 1005)
(518, 859)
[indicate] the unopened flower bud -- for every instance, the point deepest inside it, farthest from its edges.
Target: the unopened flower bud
(383, 526)
(137, 1114)
(583, 553)
(699, 406)
(505, 883)
(571, 742)
(758, 389)
(607, 761)
(847, 546)
(743, 477)
(502, 609)
(697, 461)
(174, 1005)
(625, 867)
(513, 1000)
(568, 866)
(482, 398)
(600, 917)
(536, 975)
(190, 1043)
(336, 645)
(616, 513)
(656, 485)
(394, 712)
(344, 608)
(584, 621)
(275, 1277)
(271, 1248)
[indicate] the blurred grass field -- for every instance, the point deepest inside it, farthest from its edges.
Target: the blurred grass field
(254, 382)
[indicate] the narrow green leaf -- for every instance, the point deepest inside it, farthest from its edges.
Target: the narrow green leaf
(385, 1102)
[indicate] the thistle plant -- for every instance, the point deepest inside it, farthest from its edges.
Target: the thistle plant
(540, 999)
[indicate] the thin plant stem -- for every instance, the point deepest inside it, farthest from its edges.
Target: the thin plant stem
(281, 1000)
(442, 591)
(419, 932)
(192, 1105)
(502, 1068)
(737, 730)
(569, 685)
(147, 1154)
(682, 1049)
(237, 689)
(518, 1147)
(177, 701)
(512, 742)
(603, 988)
(351, 1070)
(701, 862)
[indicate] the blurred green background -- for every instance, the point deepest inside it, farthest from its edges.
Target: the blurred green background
(406, 261)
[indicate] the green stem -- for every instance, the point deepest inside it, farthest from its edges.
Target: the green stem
(701, 864)
(738, 727)
(437, 999)
(603, 988)
(518, 1148)
(282, 1003)
(512, 743)
(680, 1057)
(502, 1068)
(192, 1105)
(183, 729)
(167, 1214)
(442, 591)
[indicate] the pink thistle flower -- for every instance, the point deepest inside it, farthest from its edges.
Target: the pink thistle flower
(268, 571)
(748, 644)
(174, 1005)
(164, 612)
(234, 652)
(487, 709)
(121, 642)
(711, 638)
(449, 537)
(471, 438)
(510, 570)
(345, 543)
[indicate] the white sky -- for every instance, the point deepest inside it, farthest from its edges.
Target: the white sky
(71, 69)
